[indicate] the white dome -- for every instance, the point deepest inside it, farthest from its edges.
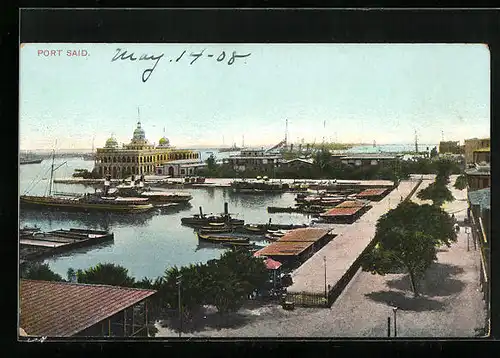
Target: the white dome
(139, 133)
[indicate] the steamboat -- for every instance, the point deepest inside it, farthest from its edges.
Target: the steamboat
(85, 202)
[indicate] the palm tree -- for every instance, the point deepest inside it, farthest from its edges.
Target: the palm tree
(108, 274)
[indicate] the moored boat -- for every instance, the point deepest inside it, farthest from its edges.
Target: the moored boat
(85, 202)
(202, 219)
(221, 239)
(215, 229)
(88, 203)
(258, 229)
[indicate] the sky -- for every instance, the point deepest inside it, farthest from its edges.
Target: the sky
(349, 93)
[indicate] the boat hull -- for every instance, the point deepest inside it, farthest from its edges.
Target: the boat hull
(34, 161)
(41, 202)
(222, 239)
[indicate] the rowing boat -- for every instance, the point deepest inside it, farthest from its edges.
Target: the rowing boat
(222, 239)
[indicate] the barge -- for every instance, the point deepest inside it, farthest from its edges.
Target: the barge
(44, 244)
(202, 219)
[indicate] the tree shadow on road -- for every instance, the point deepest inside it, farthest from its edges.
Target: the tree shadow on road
(438, 281)
(406, 303)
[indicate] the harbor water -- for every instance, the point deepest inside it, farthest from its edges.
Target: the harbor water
(146, 244)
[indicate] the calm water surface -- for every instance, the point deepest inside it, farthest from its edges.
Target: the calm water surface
(146, 244)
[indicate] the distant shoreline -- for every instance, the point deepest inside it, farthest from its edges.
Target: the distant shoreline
(352, 145)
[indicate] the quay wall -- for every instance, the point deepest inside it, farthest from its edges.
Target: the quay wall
(343, 254)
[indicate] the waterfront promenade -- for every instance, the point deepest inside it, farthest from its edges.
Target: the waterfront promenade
(450, 305)
(226, 182)
(342, 252)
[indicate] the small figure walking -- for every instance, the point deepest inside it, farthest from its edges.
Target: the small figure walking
(457, 228)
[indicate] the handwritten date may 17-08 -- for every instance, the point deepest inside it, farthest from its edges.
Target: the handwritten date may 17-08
(125, 55)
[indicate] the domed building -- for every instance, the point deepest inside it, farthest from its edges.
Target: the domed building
(111, 143)
(140, 157)
(164, 142)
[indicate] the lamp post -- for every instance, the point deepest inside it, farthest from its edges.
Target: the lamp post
(179, 282)
(468, 233)
(324, 260)
(395, 309)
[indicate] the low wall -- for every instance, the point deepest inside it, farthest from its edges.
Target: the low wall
(315, 299)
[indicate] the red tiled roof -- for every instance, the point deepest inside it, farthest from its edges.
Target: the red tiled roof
(342, 211)
(61, 309)
(372, 192)
(302, 235)
(272, 264)
(286, 248)
(351, 204)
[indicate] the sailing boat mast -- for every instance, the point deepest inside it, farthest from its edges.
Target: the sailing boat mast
(52, 171)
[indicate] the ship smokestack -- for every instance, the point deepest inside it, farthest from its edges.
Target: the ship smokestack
(226, 211)
(201, 211)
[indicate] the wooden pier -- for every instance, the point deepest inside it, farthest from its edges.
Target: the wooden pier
(42, 245)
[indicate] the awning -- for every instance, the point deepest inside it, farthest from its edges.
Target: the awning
(272, 264)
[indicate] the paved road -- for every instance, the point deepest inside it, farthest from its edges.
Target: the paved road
(450, 306)
(343, 250)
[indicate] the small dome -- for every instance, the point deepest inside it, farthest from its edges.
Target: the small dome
(164, 142)
(111, 143)
(139, 133)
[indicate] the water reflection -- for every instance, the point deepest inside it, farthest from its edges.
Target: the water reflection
(90, 220)
(148, 243)
(81, 250)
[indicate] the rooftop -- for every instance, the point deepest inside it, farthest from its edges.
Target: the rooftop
(304, 235)
(287, 248)
(342, 211)
(479, 170)
(62, 309)
(351, 204)
(480, 197)
(482, 150)
(307, 161)
(372, 192)
(373, 156)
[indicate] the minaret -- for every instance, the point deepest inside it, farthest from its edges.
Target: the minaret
(416, 142)
(286, 132)
(324, 131)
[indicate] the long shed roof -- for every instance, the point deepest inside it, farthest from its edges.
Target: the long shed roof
(284, 248)
(342, 211)
(62, 309)
(304, 235)
(372, 192)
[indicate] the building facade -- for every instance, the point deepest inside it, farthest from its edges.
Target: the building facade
(473, 144)
(370, 159)
(450, 147)
(139, 157)
(478, 177)
(481, 155)
(180, 168)
(254, 159)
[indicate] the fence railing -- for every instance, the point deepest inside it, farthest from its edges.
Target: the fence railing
(307, 299)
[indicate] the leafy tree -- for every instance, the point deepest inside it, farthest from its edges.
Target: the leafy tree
(234, 277)
(407, 238)
(460, 182)
(434, 152)
(438, 192)
(39, 271)
(443, 169)
(211, 164)
(322, 159)
(107, 274)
